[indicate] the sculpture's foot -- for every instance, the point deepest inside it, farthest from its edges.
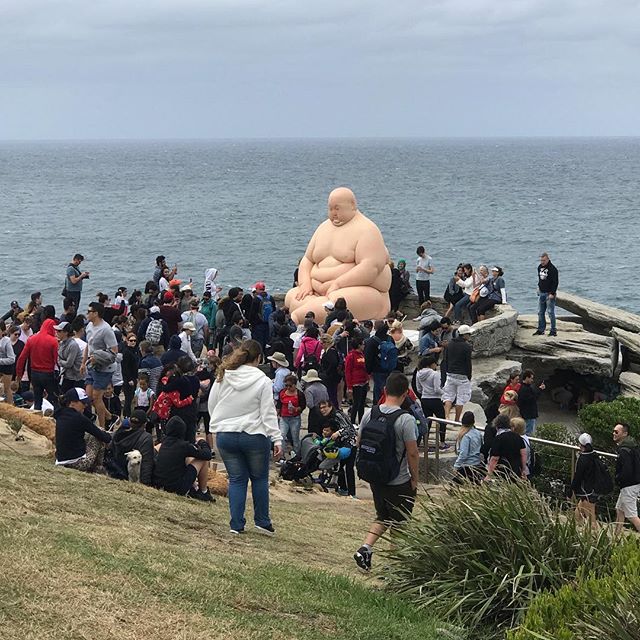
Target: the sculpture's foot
(365, 303)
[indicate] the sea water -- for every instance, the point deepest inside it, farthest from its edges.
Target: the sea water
(249, 208)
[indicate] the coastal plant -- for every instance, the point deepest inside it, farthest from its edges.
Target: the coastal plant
(604, 606)
(599, 418)
(15, 424)
(479, 556)
(555, 463)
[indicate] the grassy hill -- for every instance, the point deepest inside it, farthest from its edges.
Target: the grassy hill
(88, 557)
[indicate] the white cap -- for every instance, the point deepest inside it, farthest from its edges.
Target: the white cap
(464, 330)
(154, 309)
(328, 305)
(189, 326)
(584, 439)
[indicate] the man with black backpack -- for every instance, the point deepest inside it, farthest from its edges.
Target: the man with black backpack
(627, 477)
(380, 357)
(387, 459)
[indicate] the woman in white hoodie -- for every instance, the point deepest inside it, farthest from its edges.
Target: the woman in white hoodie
(244, 419)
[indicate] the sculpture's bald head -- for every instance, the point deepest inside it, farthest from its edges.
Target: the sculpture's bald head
(342, 206)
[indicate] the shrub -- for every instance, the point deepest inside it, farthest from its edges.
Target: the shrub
(597, 607)
(555, 473)
(479, 556)
(598, 419)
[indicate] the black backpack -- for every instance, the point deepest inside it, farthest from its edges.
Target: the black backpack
(376, 460)
(602, 482)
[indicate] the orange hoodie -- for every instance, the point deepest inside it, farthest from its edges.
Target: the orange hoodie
(41, 350)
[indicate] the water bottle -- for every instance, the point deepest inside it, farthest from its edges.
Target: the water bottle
(290, 407)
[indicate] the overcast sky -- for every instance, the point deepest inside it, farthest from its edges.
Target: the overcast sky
(329, 68)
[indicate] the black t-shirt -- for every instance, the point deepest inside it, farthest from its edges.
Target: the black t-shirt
(507, 447)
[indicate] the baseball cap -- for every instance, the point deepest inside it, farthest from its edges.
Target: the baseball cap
(328, 305)
(189, 326)
(495, 269)
(464, 330)
(61, 326)
(168, 296)
(14, 304)
(138, 416)
(259, 286)
(154, 309)
(76, 394)
(584, 439)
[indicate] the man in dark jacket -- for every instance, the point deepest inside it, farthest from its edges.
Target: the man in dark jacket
(372, 358)
(528, 401)
(174, 353)
(457, 363)
(548, 281)
(179, 463)
(134, 436)
(627, 477)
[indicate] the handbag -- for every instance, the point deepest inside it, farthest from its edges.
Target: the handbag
(475, 294)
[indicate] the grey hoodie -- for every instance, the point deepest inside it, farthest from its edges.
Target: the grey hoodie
(243, 402)
(70, 359)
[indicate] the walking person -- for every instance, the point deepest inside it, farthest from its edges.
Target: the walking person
(244, 419)
(424, 269)
(627, 477)
(428, 386)
(69, 358)
(357, 380)
(457, 363)
(548, 281)
(528, 401)
(390, 466)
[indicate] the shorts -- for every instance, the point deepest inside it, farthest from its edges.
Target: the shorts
(457, 389)
(190, 475)
(98, 379)
(393, 502)
(628, 501)
(7, 369)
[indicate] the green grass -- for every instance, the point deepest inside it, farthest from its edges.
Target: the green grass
(87, 557)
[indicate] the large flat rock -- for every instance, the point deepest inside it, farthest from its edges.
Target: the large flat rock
(490, 377)
(530, 322)
(580, 351)
(495, 335)
(630, 384)
(627, 338)
(599, 314)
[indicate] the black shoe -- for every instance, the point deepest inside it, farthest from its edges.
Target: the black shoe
(206, 496)
(539, 333)
(266, 531)
(236, 532)
(363, 559)
(553, 333)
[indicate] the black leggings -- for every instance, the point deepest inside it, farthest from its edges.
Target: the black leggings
(346, 474)
(423, 287)
(434, 407)
(480, 308)
(129, 391)
(359, 399)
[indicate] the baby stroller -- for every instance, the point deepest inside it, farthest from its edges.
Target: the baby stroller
(310, 459)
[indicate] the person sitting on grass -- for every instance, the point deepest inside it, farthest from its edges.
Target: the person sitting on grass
(180, 464)
(131, 436)
(393, 495)
(80, 444)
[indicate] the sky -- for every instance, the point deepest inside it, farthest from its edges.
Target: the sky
(118, 69)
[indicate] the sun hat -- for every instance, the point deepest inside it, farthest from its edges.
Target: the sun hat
(189, 326)
(312, 376)
(61, 326)
(584, 439)
(76, 394)
(464, 330)
(279, 358)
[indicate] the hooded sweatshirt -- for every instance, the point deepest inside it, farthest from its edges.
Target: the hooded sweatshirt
(174, 353)
(243, 402)
(628, 463)
(170, 463)
(41, 351)
(70, 359)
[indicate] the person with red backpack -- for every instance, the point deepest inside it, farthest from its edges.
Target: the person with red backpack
(387, 459)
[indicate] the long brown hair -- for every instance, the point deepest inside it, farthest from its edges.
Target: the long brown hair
(245, 352)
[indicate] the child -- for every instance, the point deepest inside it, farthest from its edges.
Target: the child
(113, 406)
(143, 396)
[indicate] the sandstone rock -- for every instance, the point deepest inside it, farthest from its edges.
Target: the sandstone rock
(495, 335)
(599, 314)
(579, 351)
(530, 322)
(630, 384)
(627, 338)
(490, 377)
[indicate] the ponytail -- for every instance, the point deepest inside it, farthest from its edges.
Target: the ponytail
(245, 352)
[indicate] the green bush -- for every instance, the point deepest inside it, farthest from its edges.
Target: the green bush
(555, 473)
(598, 420)
(596, 607)
(479, 556)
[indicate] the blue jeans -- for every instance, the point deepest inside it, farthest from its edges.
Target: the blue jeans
(460, 306)
(290, 425)
(530, 426)
(246, 457)
(545, 303)
(379, 380)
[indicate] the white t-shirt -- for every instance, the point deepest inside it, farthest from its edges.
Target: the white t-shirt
(424, 263)
(163, 285)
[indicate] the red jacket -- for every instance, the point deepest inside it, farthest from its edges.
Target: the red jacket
(41, 351)
(354, 370)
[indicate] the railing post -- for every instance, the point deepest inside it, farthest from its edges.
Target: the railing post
(573, 463)
(438, 451)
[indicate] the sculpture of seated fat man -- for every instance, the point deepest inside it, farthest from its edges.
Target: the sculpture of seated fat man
(346, 258)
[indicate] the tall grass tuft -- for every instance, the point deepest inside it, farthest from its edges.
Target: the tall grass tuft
(478, 556)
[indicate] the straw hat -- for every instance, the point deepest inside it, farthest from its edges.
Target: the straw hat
(278, 358)
(312, 376)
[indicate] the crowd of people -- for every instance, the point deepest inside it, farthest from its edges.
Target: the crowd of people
(143, 372)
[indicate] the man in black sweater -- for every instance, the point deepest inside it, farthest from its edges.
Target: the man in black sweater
(134, 436)
(627, 477)
(547, 287)
(528, 401)
(457, 363)
(180, 463)
(372, 358)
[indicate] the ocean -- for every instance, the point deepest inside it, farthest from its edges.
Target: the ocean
(249, 207)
